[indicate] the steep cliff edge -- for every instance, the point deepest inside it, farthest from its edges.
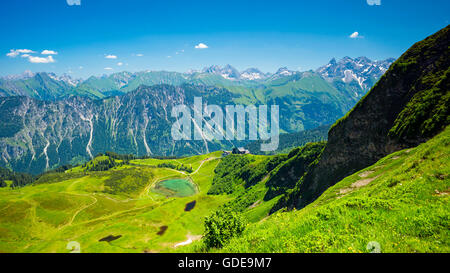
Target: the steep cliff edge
(408, 106)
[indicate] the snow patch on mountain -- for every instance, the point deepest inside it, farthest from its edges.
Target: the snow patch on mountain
(362, 70)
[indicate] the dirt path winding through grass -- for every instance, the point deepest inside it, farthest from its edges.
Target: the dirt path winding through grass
(201, 164)
(146, 192)
(190, 240)
(81, 209)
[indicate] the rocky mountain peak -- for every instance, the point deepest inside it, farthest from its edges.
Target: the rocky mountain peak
(253, 74)
(227, 72)
(284, 71)
(362, 70)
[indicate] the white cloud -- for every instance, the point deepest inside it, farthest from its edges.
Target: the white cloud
(12, 54)
(374, 2)
(355, 35)
(139, 55)
(25, 51)
(111, 57)
(49, 52)
(201, 46)
(25, 55)
(108, 68)
(40, 60)
(119, 63)
(81, 67)
(74, 2)
(15, 52)
(169, 57)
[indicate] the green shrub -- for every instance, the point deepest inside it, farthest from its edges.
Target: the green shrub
(181, 167)
(102, 165)
(221, 226)
(227, 174)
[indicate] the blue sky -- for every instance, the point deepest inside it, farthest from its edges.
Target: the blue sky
(162, 35)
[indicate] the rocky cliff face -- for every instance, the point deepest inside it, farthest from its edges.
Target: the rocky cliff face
(39, 135)
(36, 135)
(361, 70)
(406, 107)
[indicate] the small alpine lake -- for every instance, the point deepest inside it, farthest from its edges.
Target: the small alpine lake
(177, 187)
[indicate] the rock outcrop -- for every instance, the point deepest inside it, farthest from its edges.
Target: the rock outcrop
(408, 106)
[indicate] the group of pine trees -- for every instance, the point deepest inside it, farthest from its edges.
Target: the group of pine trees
(180, 167)
(101, 165)
(112, 160)
(18, 179)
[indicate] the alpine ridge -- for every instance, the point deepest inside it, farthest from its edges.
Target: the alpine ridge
(44, 128)
(361, 72)
(408, 106)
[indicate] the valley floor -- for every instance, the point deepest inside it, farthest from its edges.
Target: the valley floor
(100, 215)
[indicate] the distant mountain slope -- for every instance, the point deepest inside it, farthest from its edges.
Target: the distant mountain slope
(38, 135)
(408, 106)
(366, 74)
(48, 86)
(44, 86)
(293, 140)
(362, 70)
(31, 142)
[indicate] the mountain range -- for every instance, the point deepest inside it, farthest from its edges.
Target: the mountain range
(49, 120)
(362, 70)
(49, 86)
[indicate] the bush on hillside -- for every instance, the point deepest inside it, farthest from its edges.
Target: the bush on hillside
(221, 226)
(176, 167)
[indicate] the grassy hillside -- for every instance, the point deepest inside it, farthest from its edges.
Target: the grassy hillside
(407, 107)
(135, 205)
(88, 206)
(119, 205)
(401, 202)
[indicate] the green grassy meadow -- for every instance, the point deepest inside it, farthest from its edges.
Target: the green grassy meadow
(401, 202)
(85, 207)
